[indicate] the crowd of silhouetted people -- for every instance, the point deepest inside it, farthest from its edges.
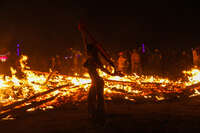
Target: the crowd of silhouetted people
(166, 63)
(147, 61)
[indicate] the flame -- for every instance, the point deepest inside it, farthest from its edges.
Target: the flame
(193, 76)
(129, 87)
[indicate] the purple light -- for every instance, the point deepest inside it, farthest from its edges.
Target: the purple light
(143, 49)
(17, 49)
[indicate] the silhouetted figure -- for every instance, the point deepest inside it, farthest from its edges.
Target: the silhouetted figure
(93, 50)
(68, 61)
(121, 62)
(77, 61)
(58, 64)
(196, 57)
(135, 62)
(53, 63)
(156, 61)
(18, 68)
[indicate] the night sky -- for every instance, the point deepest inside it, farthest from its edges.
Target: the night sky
(50, 26)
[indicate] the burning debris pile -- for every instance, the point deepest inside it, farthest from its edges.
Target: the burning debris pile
(41, 90)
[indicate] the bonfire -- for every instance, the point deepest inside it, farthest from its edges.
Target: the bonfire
(47, 90)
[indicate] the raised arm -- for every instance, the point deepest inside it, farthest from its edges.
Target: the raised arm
(88, 38)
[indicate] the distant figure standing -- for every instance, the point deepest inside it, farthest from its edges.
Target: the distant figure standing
(135, 62)
(121, 62)
(76, 61)
(184, 63)
(68, 62)
(156, 61)
(55, 63)
(58, 65)
(196, 56)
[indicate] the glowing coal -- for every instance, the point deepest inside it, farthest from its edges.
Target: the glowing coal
(40, 87)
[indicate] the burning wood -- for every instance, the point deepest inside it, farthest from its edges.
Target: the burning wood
(16, 92)
(193, 86)
(11, 106)
(21, 110)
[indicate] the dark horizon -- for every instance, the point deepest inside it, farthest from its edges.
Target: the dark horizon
(53, 25)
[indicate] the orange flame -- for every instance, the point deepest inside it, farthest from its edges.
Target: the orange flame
(13, 89)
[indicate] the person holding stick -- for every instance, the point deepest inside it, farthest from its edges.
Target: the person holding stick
(93, 51)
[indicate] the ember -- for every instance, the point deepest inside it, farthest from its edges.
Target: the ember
(42, 90)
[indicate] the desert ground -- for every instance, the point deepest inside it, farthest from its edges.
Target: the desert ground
(180, 116)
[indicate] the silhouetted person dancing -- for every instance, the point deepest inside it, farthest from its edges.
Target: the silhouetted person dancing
(93, 50)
